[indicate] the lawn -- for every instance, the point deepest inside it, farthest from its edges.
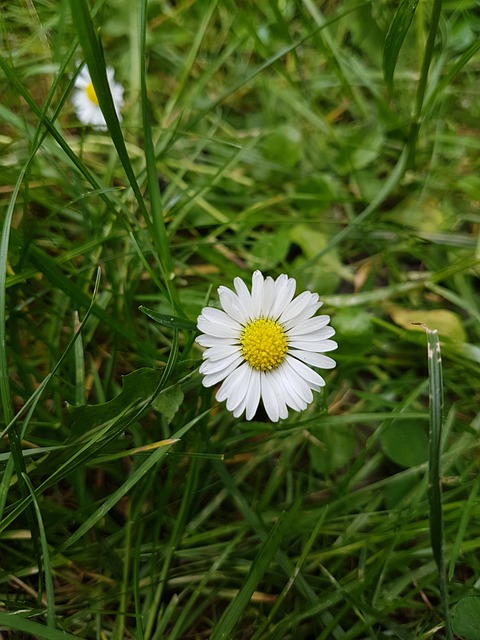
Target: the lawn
(333, 143)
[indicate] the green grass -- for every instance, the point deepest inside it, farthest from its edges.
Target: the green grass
(336, 142)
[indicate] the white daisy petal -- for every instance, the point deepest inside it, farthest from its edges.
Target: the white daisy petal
(312, 344)
(214, 377)
(289, 388)
(309, 309)
(268, 296)
(230, 384)
(83, 78)
(219, 352)
(298, 386)
(269, 397)
(282, 405)
(257, 294)
(329, 345)
(232, 305)
(243, 398)
(310, 326)
(297, 305)
(212, 341)
(261, 346)
(315, 359)
(216, 329)
(236, 399)
(209, 367)
(253, 395)
(220, 317)
(284, 292)
(311, 377)
(276, 390)
(236, 392)
(244, 296)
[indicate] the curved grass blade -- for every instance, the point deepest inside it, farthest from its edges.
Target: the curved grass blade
(427, 57)
(451, 74)
(298, 567)
(422, 83)
(35, 397)
(46, 566)
(395, 37)
(389, 185)
(95, 60)
(14, 79)
(131, 482)
(17, 462)
(16, 622)
(173, 322)
(232, 614)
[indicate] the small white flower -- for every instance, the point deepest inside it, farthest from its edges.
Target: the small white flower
(261, 344)
(85, 99)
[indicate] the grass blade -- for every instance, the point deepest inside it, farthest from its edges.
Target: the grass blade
(46, 566)
(232, 614)
(132, 480)
(423, 81)
(395, 36)
(173, 322)
(97, 68)
(33, 629)
(17, 461)
(156, 206)
(435, 374)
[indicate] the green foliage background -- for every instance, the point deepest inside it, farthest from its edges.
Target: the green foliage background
(333, 141)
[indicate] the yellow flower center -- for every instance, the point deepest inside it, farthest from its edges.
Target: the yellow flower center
(91, 95)
(264, 344)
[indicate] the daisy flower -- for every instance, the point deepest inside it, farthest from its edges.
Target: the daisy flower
(85, 99)
(263, 345)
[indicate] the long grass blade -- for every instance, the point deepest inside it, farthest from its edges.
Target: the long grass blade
(423, 80)
(232, 614)
(95, 60)
(161, 240)
(17, 463)
(395, 37)
(132, 480)
(435, 373)
(46, 565)
(16, 622)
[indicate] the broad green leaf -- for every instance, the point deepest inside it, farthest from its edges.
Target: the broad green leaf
(284, 146)
(399, 488)
(270, 249)
(405, 443)
(395, 36)
(470, 185)
(430, 216)
(333, 449)
(447, 323)
(138, 388)
(168, 401)
(323, 274)
(466, 618)
(353, 326)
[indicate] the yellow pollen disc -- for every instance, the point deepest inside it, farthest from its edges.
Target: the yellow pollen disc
(91, 95)
(264, 344)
